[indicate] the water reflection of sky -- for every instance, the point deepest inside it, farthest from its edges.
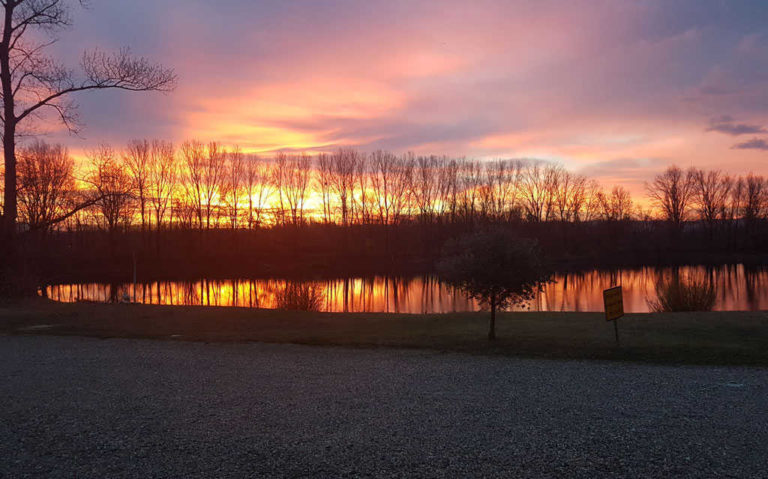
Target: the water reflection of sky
(738, 288)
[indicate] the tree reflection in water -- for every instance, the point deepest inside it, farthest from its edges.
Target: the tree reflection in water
(737, 288)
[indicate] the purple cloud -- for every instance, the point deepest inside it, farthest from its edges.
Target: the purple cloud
(753, 144)
(725, 124)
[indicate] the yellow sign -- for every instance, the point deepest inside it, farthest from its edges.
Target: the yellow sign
(614, 304)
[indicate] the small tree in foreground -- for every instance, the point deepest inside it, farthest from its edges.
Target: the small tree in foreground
(495, 267)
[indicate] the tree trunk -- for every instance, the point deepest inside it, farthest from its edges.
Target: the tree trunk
(9, 194)
(10, 262)
(492, 323)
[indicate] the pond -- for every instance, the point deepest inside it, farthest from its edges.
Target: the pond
(737, 288)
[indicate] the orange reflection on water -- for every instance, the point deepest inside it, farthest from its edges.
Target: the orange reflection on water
(737, 288)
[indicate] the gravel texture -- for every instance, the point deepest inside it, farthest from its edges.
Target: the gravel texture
(78, 407)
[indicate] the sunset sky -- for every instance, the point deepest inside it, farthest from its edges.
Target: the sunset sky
(614, 89)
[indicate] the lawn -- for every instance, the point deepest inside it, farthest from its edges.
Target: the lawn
(679, 338)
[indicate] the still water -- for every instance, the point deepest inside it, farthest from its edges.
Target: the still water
(738, 288)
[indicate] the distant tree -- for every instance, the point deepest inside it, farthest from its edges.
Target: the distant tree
(494, 267)
(382, 180)
(391, 182)
(365, 200)
(205, 169)
(711, 190)
(113, 189)
(214, 173)
(232, 188)
(591, 202)
(538, 189)
(498, 188)
(193, 156)
(470, 179)
(617, 206)
(278, 179)
(296, 182)
(448, 189)
(402, 187)
(258, 188)
(672, 192)
(46, 184)
(754, 197)
(564, 182)
(578, 197)
(137, 158)
(163, 178)
(324, 178)
(735, 204)
(343, 172)
(425, 186)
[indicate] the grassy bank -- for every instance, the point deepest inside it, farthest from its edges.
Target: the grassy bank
(679, 338)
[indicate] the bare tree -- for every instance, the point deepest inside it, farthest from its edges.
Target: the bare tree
(578, 197)
(46, 184)
(617, 206)
(382, 179)
(425, 186)
(497, 189)
(205, 169)
(735, 205)
(403, 180)
(113, 189)
(193, 155)
(711, 190)
(672, 192)
(363, 200)
(163, 177)
(508, 184)
(324, 179)
(754, 197)
(727, 185)
(621, 203)
(258, 188)
(590, 209)
(563, 192)
(137, 158)
(391, 182)
(470, 178)
(296, 180)
(232, 187)
(34, 84)
(344, 162)
(448, 188)
(533, 189)
(213, 177)
(279, 177)
(552, 177)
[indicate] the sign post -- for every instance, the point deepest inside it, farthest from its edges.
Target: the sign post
(614, 307)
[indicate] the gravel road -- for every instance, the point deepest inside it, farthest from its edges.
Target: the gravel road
(78, 407)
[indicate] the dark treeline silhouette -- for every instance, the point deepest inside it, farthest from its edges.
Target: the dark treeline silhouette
(203, 209)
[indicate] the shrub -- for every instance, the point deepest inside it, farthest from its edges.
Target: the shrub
(300, 297)
(683, 294)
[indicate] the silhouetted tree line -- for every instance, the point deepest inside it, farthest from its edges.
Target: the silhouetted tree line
(204, 207)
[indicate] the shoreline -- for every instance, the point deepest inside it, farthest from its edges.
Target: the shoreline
(707, 338)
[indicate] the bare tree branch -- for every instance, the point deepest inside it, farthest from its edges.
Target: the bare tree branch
(103, 71)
